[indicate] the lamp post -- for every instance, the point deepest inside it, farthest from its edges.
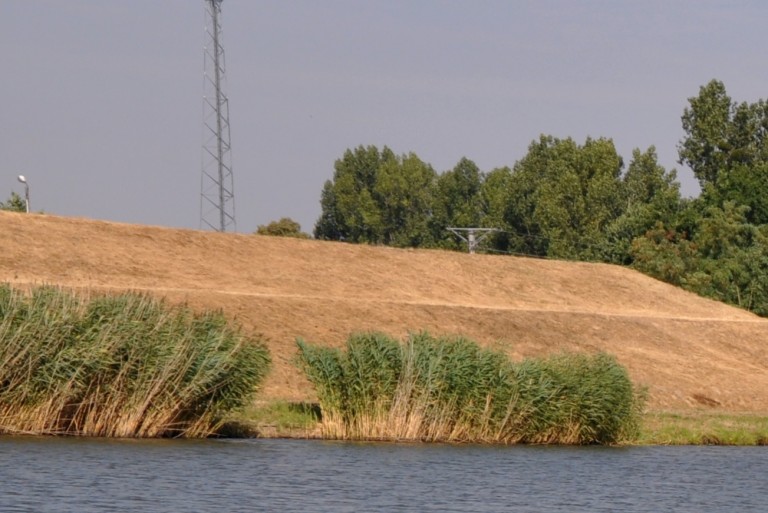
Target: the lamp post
(23, 180)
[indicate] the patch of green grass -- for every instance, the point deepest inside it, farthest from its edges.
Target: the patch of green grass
(703, 428)
(282, 419)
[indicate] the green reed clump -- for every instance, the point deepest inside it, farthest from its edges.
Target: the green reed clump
(579, 398)
(450, 389)
(125, 365)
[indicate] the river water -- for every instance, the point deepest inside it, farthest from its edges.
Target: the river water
(94, 475)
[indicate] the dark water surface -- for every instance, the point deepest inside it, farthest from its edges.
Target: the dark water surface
(87, 475)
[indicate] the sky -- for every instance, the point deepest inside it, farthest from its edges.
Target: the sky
(102, 99)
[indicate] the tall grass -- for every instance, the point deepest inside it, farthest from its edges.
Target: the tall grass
(450, 389)
(125, 365)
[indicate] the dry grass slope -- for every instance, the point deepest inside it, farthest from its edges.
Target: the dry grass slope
(692, 353)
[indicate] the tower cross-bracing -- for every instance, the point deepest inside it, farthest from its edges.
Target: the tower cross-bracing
(217, 189)
(472, 239)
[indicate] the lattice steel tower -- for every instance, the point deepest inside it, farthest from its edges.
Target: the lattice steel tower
(217, 188)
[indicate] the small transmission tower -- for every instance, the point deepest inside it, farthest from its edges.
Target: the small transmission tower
(217, 189)
(472, 239)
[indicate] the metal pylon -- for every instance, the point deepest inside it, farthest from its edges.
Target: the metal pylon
(217, 188)
(472, 239)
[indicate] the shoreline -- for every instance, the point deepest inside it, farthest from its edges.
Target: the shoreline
(284, 420)
(659, 428)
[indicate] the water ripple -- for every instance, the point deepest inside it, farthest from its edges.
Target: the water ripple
(53, 475)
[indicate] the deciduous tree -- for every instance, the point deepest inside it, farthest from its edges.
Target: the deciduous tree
(349, 210)
(562, 196)
(726, 146)
(457, 202)
(650, 195)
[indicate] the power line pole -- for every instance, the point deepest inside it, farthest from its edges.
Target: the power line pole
(472, 239)
(217, 188)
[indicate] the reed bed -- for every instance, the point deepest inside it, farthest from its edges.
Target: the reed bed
(125, 365)
(450, 389)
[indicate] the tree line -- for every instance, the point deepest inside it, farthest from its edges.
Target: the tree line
(562, 200)
(581, 201)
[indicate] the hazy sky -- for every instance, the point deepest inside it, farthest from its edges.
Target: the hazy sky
(101, 102)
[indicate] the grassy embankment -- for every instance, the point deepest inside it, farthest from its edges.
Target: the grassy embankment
(438, 389)
(124, 366)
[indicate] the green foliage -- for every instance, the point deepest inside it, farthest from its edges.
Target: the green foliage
(722, 257)
(716, 245)
(575, 201)
(324, 368)
(650, 195)
(664, 254)
(285, 227)
(706, 123)
(450, 389)
(403, 193)
(350, 208)
(14, 204)
(124, 365)
(562, 200)
(494, 192)
(733, 259)
(565, 200)
(726, 146)
(377, 197)
(457, 202)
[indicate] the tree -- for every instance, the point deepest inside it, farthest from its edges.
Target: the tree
(725, 259)
(744, 185)
(404, 193)
(349, 209)
(562, 196)
(665, 254)
(378, 197)
(726, 146)
(285, 227)
(457, 202)
(650, 195)
(707, 145)
(494, 194)
(328, 226)
(14, 204)
(734, 259)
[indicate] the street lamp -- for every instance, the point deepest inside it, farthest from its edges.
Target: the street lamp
(23, 180)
